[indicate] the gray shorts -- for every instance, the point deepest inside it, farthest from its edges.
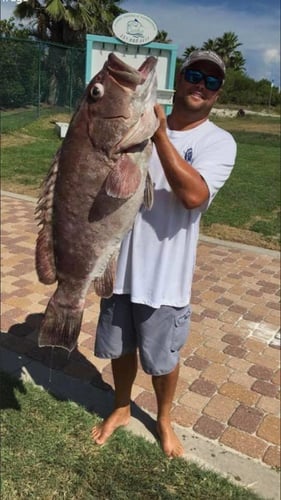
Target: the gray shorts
(159, 334)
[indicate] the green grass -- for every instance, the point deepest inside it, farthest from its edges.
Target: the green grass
(251, 197)
(249, 201)
(27, 160)
(256, 138)
(28, 164)
(16, 119)
(47, 453)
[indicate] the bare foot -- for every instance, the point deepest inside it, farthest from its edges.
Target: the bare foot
(119, 417)
(170, 443)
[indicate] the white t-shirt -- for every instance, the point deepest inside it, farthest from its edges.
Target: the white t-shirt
(157, 257)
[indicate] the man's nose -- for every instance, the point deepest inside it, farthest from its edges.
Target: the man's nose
(201, 84)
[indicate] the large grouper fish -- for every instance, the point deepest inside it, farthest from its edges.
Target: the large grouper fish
(93, 191)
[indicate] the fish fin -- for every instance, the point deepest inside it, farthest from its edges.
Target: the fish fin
(60, 327)
(44, 256)
(148, 192)
(44, 253)
(104, 284)
(124, 179)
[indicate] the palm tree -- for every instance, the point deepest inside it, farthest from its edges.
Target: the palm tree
(188, 50)
(237, 61)
(226, 47)
(103, 13)
(162, 37)
(211, 44)
(67, 21)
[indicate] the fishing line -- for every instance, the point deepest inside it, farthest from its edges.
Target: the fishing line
(51, 364)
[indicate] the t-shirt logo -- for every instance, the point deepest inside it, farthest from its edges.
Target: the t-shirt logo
(188, 155)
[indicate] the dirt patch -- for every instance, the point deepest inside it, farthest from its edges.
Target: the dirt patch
(8, 140)
(20, 189)
(49, 122)
(20, 138)
(252, 122)
(265, 128)
(244, 236)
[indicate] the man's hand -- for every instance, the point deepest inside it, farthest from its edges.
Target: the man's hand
(160, 113)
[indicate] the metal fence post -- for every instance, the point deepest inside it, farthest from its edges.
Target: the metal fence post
(39, 80)
(70, 77)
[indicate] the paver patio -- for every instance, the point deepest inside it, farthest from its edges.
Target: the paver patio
(229, 385)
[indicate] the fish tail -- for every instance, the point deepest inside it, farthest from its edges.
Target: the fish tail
(60, 326)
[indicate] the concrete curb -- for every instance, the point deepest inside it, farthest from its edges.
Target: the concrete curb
(207, 454)
(203, 238)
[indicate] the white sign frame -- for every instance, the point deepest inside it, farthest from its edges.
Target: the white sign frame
(134, 29)
(99, 47)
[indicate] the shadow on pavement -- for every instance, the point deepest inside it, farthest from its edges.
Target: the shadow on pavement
(48, 368)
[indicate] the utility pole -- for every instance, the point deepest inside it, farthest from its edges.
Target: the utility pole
(270, 94)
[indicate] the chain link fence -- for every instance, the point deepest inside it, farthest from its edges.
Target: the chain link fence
(38, 78)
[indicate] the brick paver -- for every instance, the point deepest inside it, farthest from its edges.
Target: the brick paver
(272, 456)
(220, 407)
(244, 442)
(269, 429)
(203, 387)
(209, 427)
(260, 372)
(246, 418)
(229, 386)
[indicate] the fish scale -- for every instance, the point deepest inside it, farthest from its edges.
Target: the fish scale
(92, 193)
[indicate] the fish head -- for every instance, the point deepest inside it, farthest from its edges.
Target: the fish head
(120, 104)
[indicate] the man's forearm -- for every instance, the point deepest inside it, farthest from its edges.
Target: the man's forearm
(185, 181)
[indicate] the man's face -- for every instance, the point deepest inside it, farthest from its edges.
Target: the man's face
(195, 96)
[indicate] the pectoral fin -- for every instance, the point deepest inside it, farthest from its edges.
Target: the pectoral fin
(124, 179)
(104, 285)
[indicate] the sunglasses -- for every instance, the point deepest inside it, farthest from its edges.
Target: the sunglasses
(195, 76)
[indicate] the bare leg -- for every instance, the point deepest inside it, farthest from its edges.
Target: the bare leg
(165, 386)
(124, 371)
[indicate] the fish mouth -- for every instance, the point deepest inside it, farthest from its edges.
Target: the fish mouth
(127, 76)
(142, 85)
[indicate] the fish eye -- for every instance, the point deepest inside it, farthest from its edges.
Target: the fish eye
(97, 91)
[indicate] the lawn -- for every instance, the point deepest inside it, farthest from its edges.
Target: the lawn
(47, 453)
(18, 118)
(250, 200)
(247, 209)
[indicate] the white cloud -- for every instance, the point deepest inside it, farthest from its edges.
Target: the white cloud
(272, 56)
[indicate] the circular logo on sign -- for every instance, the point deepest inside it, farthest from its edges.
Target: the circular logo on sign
(134, 29)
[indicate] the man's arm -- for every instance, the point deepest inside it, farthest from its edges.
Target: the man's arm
(185, 181)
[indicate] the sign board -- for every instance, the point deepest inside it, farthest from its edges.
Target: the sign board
(134, 29)
(99, 47)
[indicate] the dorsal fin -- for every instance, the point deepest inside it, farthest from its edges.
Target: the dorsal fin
(44, 253)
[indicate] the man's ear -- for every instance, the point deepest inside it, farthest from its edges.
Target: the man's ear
(217, 96)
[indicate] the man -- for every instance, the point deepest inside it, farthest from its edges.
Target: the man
(150, 308)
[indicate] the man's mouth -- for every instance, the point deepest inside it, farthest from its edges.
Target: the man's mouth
(197, 95)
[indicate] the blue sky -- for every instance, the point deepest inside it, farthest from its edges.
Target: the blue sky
(192, 22)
